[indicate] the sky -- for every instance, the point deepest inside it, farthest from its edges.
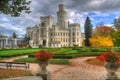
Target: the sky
(99, 11)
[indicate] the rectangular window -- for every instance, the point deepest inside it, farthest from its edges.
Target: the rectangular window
(73, 40)
(77, 39)
(78, 33)
(73, 34)
(51, 34)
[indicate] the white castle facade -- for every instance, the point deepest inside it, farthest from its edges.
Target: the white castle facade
(61, 34)
(6, 42)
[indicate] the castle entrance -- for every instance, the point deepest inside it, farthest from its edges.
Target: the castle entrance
(44, 42)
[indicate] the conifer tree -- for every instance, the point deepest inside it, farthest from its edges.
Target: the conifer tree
(88, 31)
(14, 35)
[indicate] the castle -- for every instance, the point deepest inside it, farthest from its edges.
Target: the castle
(61, 34)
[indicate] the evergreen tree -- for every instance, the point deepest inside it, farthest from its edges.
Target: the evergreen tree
(3, 36)
(14, 7)
(14, 35)
(117, 24)
(116, 32)
(88, 31)
(26, 39)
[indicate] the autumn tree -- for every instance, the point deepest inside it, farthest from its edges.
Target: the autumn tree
(88, 31)
(103, 31)
(101, 41)
(14, 7)
(101, 37)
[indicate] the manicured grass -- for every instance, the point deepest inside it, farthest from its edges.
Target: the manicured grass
(95, 61)
(63, 50)
(72, 51)
(16, 52)
(29, 60)
(51, 61)
(9, 73)
(59, 61)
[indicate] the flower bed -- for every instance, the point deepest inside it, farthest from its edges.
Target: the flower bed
(109, 57)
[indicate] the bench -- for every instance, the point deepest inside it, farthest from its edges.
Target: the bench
(9, 65)
(5, 64)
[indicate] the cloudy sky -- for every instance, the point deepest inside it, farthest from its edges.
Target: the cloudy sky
(99, 11)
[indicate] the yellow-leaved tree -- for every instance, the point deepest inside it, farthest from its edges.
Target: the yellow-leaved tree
(101, 37)
(101, 41)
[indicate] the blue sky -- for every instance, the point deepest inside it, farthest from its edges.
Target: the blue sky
(99, 11)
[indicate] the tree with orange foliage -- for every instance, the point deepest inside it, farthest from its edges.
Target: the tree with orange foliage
(101, 41)
(101, 37)
(103, 31)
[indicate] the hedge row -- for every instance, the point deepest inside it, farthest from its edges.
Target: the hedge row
(71, 55)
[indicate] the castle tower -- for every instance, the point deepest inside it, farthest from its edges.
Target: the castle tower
(61, 17)
(46, 21)
(46, 25)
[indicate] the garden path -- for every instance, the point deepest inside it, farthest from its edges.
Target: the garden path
(77, 70)
(14, 58)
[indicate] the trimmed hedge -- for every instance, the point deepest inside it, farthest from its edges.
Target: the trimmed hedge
(30, 60)
(63, 56)
(59, 61)
(71, 55)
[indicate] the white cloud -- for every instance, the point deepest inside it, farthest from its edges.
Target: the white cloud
(5, 19)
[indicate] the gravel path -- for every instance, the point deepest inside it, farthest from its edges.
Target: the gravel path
(78, 70)
(12, 59)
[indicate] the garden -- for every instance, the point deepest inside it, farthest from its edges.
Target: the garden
(61, 56)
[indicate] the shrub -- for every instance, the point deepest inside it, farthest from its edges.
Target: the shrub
(31, 56)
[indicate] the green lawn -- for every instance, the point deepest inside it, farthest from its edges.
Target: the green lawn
(51, 61)
(16, 52)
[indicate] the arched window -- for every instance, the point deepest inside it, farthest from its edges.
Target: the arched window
(73, 34)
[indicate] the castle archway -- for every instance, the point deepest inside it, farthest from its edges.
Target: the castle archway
(44, 42)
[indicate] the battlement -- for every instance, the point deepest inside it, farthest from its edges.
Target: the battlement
(46, 17)
(61, 7)
(29, 28)
(74, 25)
